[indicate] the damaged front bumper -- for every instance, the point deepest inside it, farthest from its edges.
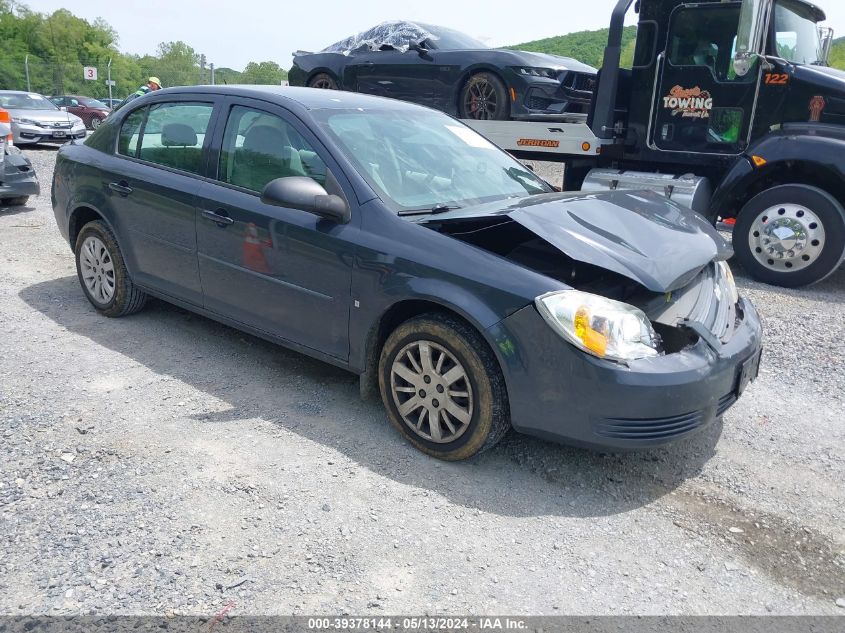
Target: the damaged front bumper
(17, 177)
(560, 393)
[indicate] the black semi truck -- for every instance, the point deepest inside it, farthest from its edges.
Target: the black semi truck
(730, 108)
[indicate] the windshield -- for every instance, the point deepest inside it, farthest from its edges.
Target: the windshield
(26, 101)
(417, 160)
(797, 33)
(450, 40)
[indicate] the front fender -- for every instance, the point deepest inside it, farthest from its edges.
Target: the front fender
(806, 151)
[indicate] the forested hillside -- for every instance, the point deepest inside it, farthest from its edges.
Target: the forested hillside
(588, 47)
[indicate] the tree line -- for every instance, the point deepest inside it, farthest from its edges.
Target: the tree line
(47, 53)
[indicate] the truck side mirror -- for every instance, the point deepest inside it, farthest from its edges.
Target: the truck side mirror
(826, 41)
(749, 37)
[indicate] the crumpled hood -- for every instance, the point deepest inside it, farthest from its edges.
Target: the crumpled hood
(638, 234)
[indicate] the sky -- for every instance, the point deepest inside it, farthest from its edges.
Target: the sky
(233, 33)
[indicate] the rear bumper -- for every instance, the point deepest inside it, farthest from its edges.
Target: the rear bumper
(18, 178)
(560, 393)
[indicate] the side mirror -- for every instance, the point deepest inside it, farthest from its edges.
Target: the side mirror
(749, 37)
(417, 47)
(826, 38)
(63, 109)
(305, 194)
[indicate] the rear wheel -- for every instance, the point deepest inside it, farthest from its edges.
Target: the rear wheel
(95, 122)
(15, 202)
(443, 388)
(102, 272)
(484, 97)
(324, 81)
(790, 235)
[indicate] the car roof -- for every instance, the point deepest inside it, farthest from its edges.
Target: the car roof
(308, 98)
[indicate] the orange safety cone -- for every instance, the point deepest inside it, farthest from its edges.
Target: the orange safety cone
(254, 251)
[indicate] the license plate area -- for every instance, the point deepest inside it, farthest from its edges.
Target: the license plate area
(59, 134)
(748, 371)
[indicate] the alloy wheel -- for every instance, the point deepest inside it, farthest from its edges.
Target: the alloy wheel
(97, 270)
(432, 391)
(481, 101)
(786, 237)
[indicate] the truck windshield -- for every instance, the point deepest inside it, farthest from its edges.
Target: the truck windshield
(797, 33)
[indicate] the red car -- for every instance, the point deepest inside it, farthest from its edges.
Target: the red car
(91, 111)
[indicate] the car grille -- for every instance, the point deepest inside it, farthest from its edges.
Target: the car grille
(585, 82)
(650, 429)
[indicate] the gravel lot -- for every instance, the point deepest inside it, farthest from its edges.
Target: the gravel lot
(163, 464)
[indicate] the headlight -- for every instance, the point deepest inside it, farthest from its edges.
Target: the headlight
(24, 121)
(728, 276)
(600, 326)
(548, 73)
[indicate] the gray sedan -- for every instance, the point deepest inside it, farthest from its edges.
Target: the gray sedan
(35, 119)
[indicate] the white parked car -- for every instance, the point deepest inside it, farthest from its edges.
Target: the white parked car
(35, 119)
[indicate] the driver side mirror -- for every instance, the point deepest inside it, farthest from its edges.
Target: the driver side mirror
(416, 46)
(826, 39)
(305, 194)
(749, 37)
(63, 108)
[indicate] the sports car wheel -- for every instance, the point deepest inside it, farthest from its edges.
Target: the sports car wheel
(484, 97)
(443, 388)
(324, 81)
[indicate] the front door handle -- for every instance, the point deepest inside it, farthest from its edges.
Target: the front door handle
(121, 187)
(219, 217)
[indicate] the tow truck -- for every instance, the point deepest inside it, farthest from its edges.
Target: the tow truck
(731, 109)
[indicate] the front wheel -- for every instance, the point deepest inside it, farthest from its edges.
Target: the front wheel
(484, 97)
(790, 235)
(102, 272)
(443, 388)
(324, 81)
(19, 201)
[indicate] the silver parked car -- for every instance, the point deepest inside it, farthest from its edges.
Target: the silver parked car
(35, 119)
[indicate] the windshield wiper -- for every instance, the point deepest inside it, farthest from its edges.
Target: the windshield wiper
(437, 208)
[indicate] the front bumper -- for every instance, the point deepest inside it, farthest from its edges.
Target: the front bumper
(560, 393)
(26, 133)
(543, 99)
(18, 178)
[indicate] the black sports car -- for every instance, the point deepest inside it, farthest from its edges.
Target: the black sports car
(450, 71)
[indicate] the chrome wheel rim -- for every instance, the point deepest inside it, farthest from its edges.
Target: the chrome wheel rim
(324, 83)
(786, 237)
(432, 391)
(481, 101)
(97, 268)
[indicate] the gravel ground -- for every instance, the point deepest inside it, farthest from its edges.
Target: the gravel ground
(164, 463)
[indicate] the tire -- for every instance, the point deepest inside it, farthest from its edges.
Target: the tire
(484, 97)
(20, 201)
(324, 81)
(480, 396)
(95, 122)
(810, 246)
(96, 250)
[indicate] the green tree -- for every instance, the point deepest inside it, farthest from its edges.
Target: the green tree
(263, 73)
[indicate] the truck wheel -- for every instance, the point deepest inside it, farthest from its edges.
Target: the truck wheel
(790, 235)
(324, 81)
(443, 388)
(102, 272)
(484, 97)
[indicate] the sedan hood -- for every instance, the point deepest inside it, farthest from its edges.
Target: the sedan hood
(556, 62)
(44, 116)
(638, 234)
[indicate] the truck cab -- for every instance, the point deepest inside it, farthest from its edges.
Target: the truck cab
(737, 97)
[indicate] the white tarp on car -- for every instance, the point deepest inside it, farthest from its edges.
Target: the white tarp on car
(397, 34)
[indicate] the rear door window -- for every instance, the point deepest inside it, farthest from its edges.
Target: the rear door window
(174, 134)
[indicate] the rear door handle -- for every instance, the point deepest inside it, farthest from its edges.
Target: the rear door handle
(121, 187)
(219, 217)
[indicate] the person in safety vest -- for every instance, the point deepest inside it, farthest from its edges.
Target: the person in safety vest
(153, 83)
